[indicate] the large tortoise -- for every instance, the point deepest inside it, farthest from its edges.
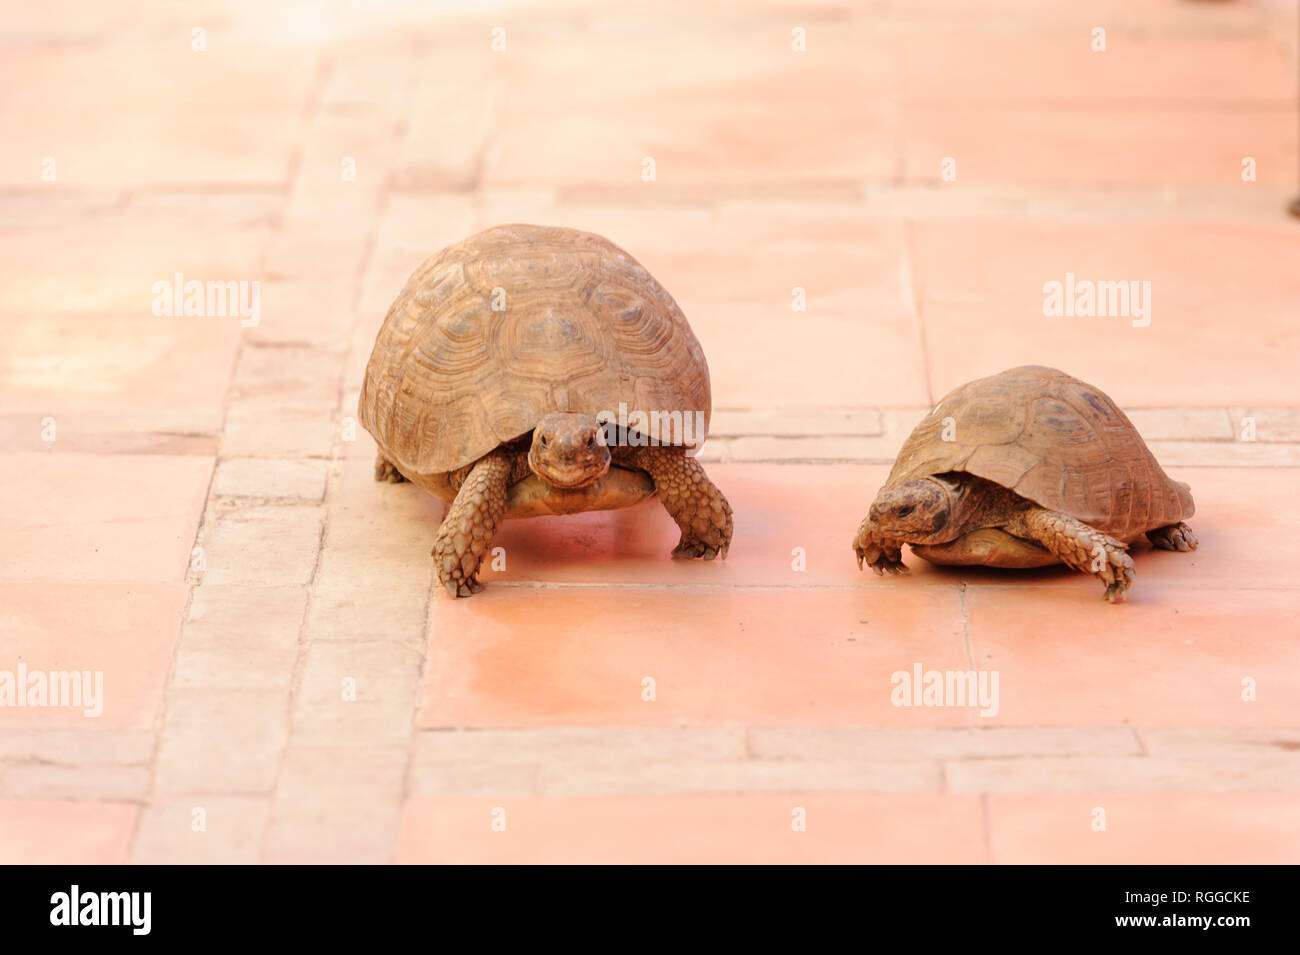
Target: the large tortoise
(1023, 469)
(530, 370)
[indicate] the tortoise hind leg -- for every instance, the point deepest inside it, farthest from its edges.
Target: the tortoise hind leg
(385, 470)
(1173, 537)
(1080, 546)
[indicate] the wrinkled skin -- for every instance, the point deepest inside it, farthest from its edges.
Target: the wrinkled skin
(567, 451)
(928, 511)
(962, 519)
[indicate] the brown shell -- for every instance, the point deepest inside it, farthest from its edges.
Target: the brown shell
(1053, 439)
(584, 328)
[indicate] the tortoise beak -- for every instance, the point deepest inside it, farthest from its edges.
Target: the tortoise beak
(575, 477)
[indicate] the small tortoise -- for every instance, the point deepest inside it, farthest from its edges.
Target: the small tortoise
(501, 383)
(1024, 469)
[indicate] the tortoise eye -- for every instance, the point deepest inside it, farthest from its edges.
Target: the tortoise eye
(545, 441)
(904, 511)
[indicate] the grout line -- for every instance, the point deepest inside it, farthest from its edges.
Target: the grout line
(398, 133)
(311, 110)
(160, 718)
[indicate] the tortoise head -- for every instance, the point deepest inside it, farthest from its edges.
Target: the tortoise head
(919, 512)
(569, 450)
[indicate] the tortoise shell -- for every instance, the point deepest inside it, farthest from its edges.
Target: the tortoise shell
(1053, 439)
(494, 332)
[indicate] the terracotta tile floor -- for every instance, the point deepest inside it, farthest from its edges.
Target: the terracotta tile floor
(190, 510)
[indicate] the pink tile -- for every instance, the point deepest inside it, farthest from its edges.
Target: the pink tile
(220, 116)
(1007, 261)
(810, 359)
(1189, 355)
(851, 267)
(124, 631)
(724, 112)
(901, 829)
(778, 508)
(117, 373)
(1240, 828)
(1058, 147)
(1166, 657)
(1249, 538)
(99, 516)
(1058, 66)
(1220, 298)
(1158, 17)
(108, 265)
(49, 832)
(717, 656)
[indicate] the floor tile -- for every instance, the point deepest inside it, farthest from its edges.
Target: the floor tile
(122, 632)
(716, 656)
(53, 832)
(100, 516)
(1166, 657)
(1146, 829)
(915, 828)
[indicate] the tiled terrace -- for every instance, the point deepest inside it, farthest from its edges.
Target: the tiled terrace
(188, 503)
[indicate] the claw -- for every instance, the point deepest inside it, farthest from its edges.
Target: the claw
(691, 549)
(1118, 589)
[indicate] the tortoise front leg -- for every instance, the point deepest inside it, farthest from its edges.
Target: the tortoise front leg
(1080, 546)
(691, 499)
(472, 520)
(877, 552)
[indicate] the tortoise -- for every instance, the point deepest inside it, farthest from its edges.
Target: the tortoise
(1026, 468)
(501, 383)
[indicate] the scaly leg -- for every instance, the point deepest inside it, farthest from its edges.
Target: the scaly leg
(385, 470)
(878, 553)
(466, 533)
(1081, 547)
(1173, 537)
(690, 498)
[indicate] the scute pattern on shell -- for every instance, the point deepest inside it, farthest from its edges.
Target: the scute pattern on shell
(585, 327)
(1053, 439)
